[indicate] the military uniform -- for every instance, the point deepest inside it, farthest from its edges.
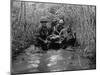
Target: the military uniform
(70, 39)
(43, 33)
(55, 38)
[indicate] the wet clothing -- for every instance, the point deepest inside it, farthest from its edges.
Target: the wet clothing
(44, 32)
(42, 44)
(59, 28)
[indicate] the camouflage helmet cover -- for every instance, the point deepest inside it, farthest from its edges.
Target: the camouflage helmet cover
(44, 19)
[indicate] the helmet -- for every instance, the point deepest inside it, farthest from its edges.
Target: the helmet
(43, 20)
(61, 21)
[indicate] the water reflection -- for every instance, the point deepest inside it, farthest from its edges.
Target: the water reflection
(52, 61)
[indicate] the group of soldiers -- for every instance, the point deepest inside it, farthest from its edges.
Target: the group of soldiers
(56, 36)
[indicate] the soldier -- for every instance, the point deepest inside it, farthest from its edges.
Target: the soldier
(57, 26)
(53, 26)
(43, 33)
(70, 39)
(54, 37)
(60, 25)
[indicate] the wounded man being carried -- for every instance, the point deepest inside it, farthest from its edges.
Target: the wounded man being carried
(55, 37)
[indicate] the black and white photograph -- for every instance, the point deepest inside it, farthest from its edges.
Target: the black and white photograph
(52, 37)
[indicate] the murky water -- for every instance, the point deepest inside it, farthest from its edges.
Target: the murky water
(50, 61)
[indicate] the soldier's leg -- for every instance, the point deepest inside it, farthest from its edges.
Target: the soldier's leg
(64, 43)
